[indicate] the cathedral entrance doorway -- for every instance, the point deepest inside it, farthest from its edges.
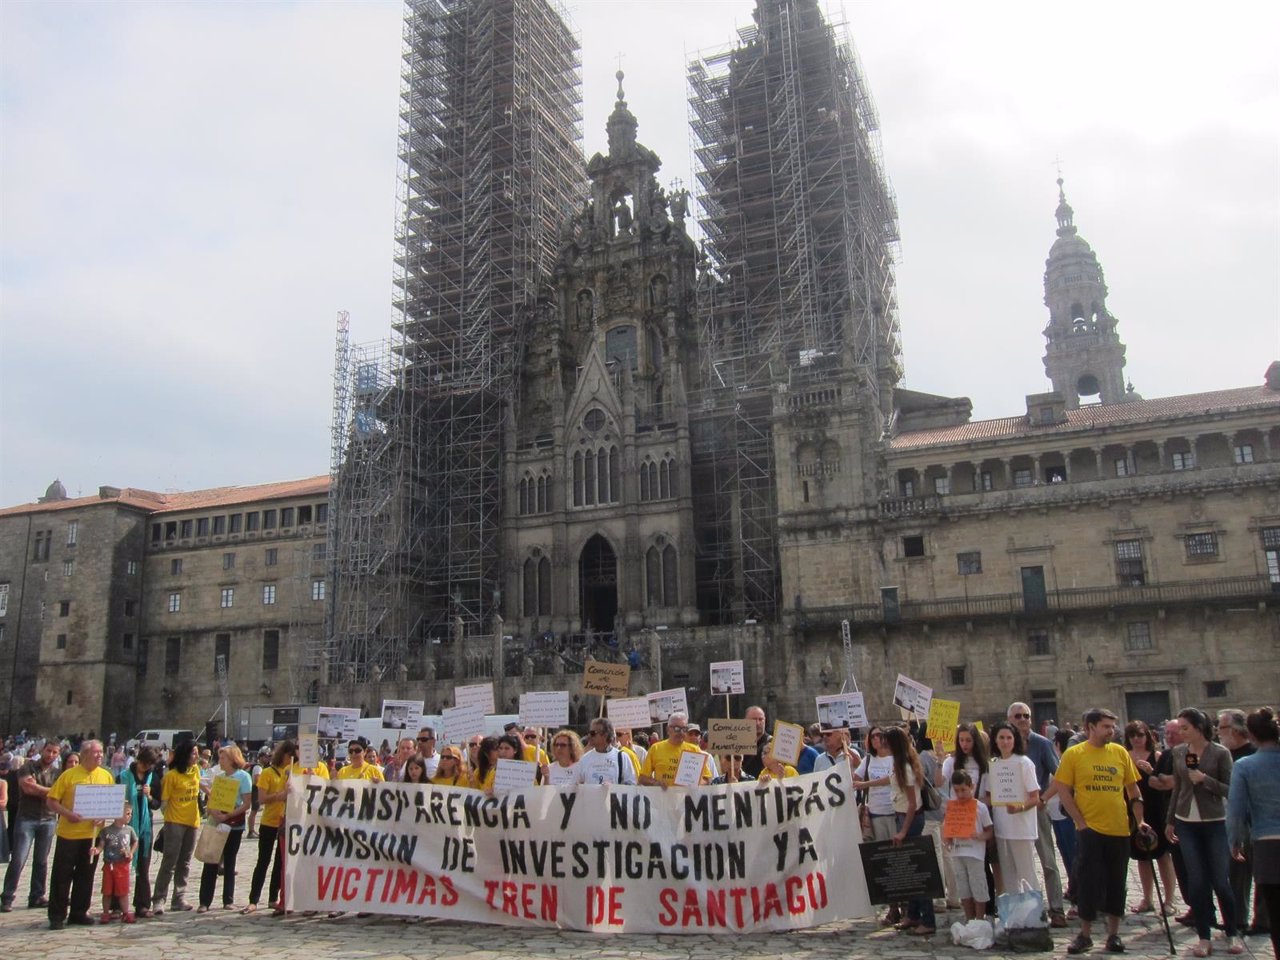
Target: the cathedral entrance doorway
(598, 584)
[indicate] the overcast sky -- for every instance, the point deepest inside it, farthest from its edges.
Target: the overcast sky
(190, 192)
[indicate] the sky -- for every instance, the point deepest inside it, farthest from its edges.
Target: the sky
(190, 192)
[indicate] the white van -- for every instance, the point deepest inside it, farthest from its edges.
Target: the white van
(159, 739)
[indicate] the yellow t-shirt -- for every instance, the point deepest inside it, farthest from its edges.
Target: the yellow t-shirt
(663, 760)
(368, 771)
(64, 792)
(181, 794)
(271, 780)
(463, 779)
(321, 771)
(787, 771)
(534, 754)
(487, 782)
(631, 755)
(1099, 776)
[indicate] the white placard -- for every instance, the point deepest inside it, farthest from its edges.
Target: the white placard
(337, 723)
(841, 711)
(628, 713)
(912, 696)
(514, 775)
(463, 722)
(788, 741)
(1006, 783)
(689, 773)
(545, 708)
(401, 715)
(308, 751)
(94, 802)
(475, 695)
(664, 703)
(559, 776)
(727, 676)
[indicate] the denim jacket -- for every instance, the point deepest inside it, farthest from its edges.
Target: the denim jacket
(1253, 806)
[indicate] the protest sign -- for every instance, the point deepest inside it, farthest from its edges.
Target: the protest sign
(841, 711)
(960, 820)
(337, 723)
(544, 708)
(605, 679)
(731, 736)
(788, 741)
(476, 695)
(944, 716)
(727, 676)
(1006, 783)
(514, 775)
(94, 802)
(912, 696)
(736, 858)
(308, 751)
(401, 714)
(692, 765)
(903, 872)
(629, 713)
(664, 703)
(463, 722)
(224, 794)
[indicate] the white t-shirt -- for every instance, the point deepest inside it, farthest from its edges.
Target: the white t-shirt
(597, 767)
(432, 763)
(899, 796)
(975, 849)
(879, 799)
(562, 776)
(1015, 826)
(949, 767)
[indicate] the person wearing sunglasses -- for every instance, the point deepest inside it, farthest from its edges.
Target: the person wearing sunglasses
(663, 759)
(530, 750)
(450, 772)
(358, 767)
(604, 762)
(427, 750)
(566, 751)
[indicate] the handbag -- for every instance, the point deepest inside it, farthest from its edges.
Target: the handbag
(211, 842)
(1022, 910)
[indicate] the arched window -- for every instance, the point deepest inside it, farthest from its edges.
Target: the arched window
(544, 587)
(602, 475)
(589, 484)
(664, 479)
(653, 576)
(615, 475)
(577, 479)
(531, 587)
(524, 496)
(542, 494)
(644, 479)
(670, 580)
(537, 585)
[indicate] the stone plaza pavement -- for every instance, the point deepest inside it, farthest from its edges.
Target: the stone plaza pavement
(230, 936)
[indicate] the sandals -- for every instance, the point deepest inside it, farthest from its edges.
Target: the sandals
(1234, 946)
(1201, 949)
(1143, 907)
(251, 908)
(1081, 944)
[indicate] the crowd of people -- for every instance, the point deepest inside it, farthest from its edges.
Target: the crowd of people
(1194, 806)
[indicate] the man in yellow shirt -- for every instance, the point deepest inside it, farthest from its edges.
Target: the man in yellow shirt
(71, 885)
(1097, 776)
(531, 751)
(357, 768)
(663, 759)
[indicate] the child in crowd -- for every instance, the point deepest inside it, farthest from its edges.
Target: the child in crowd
(117, 843)
(968, 853)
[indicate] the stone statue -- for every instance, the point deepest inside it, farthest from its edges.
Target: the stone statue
(622, 216)
(680, 205)
(658, 291)
(586, 306)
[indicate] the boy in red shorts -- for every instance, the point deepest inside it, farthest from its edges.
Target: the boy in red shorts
(117, 843)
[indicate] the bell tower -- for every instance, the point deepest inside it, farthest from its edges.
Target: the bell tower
(1084, 357)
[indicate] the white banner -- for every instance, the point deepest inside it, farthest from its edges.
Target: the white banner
(735, 857)
(546, 708)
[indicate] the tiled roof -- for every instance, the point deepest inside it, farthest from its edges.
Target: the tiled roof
(151, 502)
(1093, 417)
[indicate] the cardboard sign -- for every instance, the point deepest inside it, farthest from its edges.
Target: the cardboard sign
(605, 679)
(689, 773)
(545, 708)
(514, 775)
(666, 702)
(94, 802)
(308, 751)
(463, 722)
(337, 723)
(224, 795)
(944, 717)
(788, 741)
(841, 711)
(476, 695)
(628, 713)
(727, 676)
(960, 820)
(1005, 783)
(731, 736)
(401, 714)
(912, 696)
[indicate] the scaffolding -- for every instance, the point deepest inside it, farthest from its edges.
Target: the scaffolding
(800, 234)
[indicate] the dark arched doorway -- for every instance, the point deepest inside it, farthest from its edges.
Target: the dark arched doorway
(598, 584)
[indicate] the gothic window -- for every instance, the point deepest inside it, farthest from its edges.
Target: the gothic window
(615, 475)
(594, 420)
(662, 575)
(644, 480)
(577, 479)
(544, 586)
(589, 484)
(653, 576)
(664, 479)
(670, 580)
(602, 474)
(537, 585)
(530, 587)
(524, 495)
(542, 495)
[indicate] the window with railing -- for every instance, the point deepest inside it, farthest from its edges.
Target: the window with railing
(1130, 566)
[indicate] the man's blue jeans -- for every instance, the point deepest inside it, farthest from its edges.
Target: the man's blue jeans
(29, 834)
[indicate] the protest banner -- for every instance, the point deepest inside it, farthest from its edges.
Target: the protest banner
(731, 736)
(544, 708)
(337, 723)
(944, 717)
(605, 679)
(960, 820)
(692, 766)
(727, 676)
(664, 703)
(788, 741)
(912, 696)
(1006, 783)
(476, 695)
(463, 722)
(95, 802)
(629, 713)
(401, 714)
(308, 750)
(514, 775)
(615, 859)
(224, 794)
(841, 711)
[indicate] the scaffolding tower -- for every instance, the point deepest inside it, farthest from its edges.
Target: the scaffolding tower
(800, 229)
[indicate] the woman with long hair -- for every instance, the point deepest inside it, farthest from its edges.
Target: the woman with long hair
(415, 770)
(566, 751)
(905, 791)
(450, 772)
(180, 803)
(1196, 822)
(485, 765)
(273, 791)
(970, 755)
(231, 766)
(875, 809)
(1253, 812)
(1015, 821)
(1141, 744)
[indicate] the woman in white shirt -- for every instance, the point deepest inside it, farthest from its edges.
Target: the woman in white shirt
(1013, 793)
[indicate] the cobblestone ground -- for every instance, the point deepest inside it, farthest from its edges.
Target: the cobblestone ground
(228, 935)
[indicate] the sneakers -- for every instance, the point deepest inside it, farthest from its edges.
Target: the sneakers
(1081, 944)
(158, 910)
(1115, 944)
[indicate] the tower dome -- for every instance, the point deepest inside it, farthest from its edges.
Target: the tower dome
(54, 492)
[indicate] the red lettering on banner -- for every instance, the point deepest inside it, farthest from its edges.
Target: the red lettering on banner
(604, 906)
(325, 876)
(795, 896)
(667, 907)
(772, 904)
(738, 893)
(404, 886)
(372, 874)
(350, 883)
(716, 916)
(450, 892)
(517, 898)
(819, 899)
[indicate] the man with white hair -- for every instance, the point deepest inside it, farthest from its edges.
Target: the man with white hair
(1039, 751)
(663, 759)
(71, 886)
